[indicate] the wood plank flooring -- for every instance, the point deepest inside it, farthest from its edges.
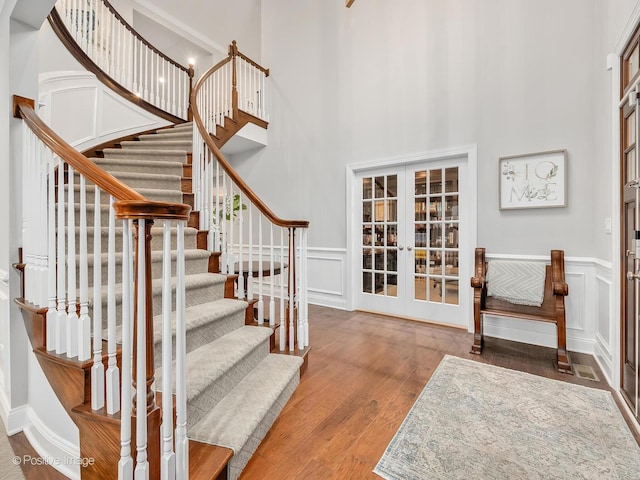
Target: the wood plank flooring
(365, 372)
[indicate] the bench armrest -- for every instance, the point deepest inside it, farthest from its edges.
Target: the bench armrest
(560, 288)
(477, 282)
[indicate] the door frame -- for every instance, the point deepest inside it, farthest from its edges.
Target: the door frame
(465, 152)
(613, 65)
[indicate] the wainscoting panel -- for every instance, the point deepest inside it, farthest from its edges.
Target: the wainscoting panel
(583, 313)
(327, 277)
(607, 323)
(86, 113)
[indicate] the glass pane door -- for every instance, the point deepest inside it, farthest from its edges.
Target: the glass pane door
(380, 235)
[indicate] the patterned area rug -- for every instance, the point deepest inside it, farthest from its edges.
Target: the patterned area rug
(479, 421)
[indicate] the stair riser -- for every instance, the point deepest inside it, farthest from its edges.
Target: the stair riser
(171, 182)
(171, 168)
(159, 196)
(133, 154)
(199, 406)
(156, 240)
(202, 335)
(186, 136)
(193, 296)
(192, 265)
(159, 145)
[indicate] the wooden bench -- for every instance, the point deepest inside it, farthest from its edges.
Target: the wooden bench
(552, 308)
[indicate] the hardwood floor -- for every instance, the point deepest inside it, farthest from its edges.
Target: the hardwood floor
(365, 372)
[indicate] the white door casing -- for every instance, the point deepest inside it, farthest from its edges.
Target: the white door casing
(417, 278)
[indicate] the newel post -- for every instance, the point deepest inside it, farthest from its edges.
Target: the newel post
(191, 73)
(233, 51)
(142, 268)
(292, 307)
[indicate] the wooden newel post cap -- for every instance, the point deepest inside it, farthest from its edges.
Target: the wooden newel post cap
(150, 210)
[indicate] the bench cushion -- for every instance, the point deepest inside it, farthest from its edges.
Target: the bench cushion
(516, 282)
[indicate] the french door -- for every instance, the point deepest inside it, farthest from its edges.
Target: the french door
(630, 226)
(413, 247)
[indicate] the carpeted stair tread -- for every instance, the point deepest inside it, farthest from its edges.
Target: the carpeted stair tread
(186, 135)
(202, 314)
(196, 261)
(151, 181)
(147, 153)
(199, 288)
(140, 166)
(175, 145)
(176, 128)
(155, 194)
(235, 418)
(221, 311)
(190, 237)
(207, 364)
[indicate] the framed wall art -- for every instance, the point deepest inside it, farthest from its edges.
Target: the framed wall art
(534, 180)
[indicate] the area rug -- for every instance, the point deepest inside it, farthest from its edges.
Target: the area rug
(483, 422)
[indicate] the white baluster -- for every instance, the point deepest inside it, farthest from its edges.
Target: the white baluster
(97, 370)
(135, 64)
(305, 290)
(282, 262)
(142, 466)
(84, 323)
(272, 302)
(250, 269)
(241, 285)
(182, 445)
(72, 326)
(291, 288)
(168, 466)
(223, 256)
(229, 217)
(52, 314)
(125, 464)
(113, 379)
(63, 319)
(260, 270)
(145, 74)
(217, 232)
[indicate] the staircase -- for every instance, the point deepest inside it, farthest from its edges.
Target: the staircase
(162, 366)
(235, 386)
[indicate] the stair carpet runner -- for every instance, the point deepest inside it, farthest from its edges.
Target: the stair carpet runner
(236, 388)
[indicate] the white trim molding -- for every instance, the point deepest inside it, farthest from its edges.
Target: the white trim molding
(107, 115)
(469, 152)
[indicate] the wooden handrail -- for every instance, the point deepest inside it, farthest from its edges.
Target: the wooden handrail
(233, 51)
(58, 26)
(246, 190)
(151, 210)
(130, 203)
(23, 108)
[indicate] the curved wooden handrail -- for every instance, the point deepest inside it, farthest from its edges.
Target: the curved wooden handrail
(233, 50)
(129, 204)
(68, 41)
(246, 190)
(22, 108)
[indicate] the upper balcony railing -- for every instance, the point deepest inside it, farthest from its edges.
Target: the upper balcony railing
(104, 43)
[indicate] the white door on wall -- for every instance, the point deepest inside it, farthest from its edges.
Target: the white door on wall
(414, 251)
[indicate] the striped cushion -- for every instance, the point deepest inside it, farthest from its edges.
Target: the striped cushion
(517, 282)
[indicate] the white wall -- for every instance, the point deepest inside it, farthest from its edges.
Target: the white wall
(384, 79)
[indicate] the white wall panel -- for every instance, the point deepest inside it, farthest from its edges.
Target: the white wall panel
(86, 113)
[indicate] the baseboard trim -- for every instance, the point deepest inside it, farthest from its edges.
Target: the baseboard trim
(58, 452)
(14, 419)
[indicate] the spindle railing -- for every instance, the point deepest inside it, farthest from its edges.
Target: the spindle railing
(62, 243)
(99, 38)
(253, 242)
